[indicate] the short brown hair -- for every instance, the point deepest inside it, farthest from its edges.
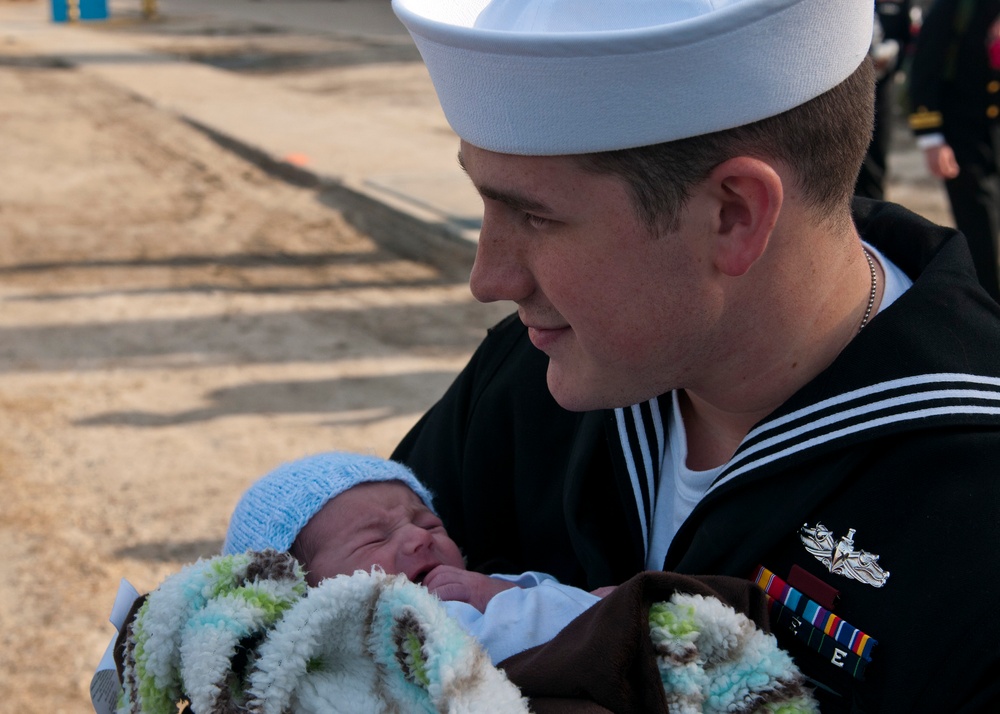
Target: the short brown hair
(823, 141)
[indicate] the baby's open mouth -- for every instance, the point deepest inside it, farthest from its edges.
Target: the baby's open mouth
(418, 577)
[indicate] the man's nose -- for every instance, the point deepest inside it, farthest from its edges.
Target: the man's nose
(499, 272)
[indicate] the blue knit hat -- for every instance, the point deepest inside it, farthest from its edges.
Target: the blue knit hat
(274, 509)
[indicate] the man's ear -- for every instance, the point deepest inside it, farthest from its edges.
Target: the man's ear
(748, 194)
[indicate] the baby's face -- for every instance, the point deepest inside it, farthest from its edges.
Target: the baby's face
(382, 523)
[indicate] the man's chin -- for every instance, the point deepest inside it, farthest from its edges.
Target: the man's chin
(573, 393)
(582, 391)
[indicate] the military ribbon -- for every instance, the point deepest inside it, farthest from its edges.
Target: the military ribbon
(820, 630)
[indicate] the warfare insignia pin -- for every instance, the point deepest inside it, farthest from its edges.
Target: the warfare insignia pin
(840, 557)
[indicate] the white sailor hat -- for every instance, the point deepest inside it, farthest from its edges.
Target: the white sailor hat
(543, 77)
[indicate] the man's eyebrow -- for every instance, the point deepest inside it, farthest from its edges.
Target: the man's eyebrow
(514, 200)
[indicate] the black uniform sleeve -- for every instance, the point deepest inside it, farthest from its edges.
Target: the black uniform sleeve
(932, 63)
(521, 483)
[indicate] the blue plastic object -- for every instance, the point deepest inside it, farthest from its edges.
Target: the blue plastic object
(86, 9)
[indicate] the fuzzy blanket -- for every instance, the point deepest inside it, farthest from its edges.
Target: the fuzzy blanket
(663, 642)
(243, 633)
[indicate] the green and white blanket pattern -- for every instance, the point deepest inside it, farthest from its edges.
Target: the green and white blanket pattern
(244, 633)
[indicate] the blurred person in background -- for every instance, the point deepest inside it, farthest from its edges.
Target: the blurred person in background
(890, 40)
(955, 100)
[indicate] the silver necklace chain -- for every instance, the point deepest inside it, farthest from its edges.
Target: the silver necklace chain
(871, 298)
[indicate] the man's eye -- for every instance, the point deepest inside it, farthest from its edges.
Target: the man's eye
(536, 221)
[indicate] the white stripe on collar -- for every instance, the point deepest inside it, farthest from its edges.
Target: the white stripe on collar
(642, 458)
(910, 403)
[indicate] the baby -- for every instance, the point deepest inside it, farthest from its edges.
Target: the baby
(340, 512)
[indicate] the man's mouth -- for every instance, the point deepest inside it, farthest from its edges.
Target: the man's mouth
(544, 337)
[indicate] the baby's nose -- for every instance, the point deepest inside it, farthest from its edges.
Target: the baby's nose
(416, 539)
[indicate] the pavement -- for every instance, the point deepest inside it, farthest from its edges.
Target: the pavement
(378, 144)
(362, 122)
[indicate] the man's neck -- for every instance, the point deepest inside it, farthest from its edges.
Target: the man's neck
(798, 346)
(712, 434)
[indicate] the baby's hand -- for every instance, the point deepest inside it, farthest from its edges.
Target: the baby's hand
(451, 583)
(604, 591)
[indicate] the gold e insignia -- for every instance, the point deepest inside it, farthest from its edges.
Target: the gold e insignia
(840, 557)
